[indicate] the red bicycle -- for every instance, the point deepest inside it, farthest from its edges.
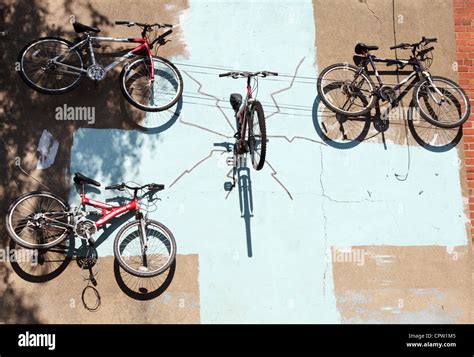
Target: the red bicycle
(251, 135)
(143, 247)
(53, 65)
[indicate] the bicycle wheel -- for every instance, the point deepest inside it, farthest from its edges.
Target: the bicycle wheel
(352, 87)
(158, 255)
(156, 96)
(257, 135)
(36, 220)
(38, 71)
(442, 102)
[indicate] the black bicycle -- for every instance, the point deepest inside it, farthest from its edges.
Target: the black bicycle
(251, 134)
(348, 90)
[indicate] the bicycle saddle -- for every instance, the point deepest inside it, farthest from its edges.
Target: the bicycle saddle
(78, 27)
(235, 101)
(362, 48)
(80, 179)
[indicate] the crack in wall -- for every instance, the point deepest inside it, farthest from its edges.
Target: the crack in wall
(372, 11)
(210, 96)
(273, 175)
(325, 220)
(296, 138)
(284, 90)
(196, 165)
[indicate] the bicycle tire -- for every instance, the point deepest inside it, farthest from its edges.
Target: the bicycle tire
(335, 109)
(36, 87)
(138, 273)
(179, 79)
(463, 116)
(256, 107)
(11, 230)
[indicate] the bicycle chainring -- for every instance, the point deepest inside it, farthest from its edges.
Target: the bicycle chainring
(85, 228)
(387, 93)
(96, 72)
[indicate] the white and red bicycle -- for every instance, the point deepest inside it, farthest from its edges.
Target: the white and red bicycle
(53, 65)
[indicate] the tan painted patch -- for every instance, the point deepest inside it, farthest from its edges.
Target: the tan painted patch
(172, 297)
(424, 284)
(25, 113)
(371, 22)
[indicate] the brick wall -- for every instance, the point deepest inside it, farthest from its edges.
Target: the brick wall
(464, 27)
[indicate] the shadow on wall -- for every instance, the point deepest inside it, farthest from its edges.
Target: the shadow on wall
(24, 120)
(344, 132)
(24, 114)
(241, 174)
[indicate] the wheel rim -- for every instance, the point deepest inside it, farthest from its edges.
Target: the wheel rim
(166, 86)
(36, 66)
(449, 108)
(29, 228)
(158, 255)
(348, 98)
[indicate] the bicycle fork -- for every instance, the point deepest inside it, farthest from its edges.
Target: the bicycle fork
(427, 75)
(143, 241)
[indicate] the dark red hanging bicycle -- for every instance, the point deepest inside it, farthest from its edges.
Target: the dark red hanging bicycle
(251, 135)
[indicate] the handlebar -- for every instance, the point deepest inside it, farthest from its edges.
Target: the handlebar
(235, 75)
(140, 24)
(414, 46)
(150, 186)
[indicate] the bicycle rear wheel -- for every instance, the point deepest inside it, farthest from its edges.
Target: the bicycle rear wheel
(38, 71)
(354, 96)
(442, 102)
(257, 135)
(156, 96)
(37, 220)
(152, 260)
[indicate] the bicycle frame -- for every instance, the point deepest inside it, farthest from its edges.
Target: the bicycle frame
(109, 212)
(418, 69)
(88, 41)
(241, 118)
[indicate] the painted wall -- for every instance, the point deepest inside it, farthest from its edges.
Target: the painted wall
(368, 229)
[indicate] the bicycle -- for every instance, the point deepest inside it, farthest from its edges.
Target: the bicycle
(251, 134)
(41, 220)
(53, 65)
(348, 90)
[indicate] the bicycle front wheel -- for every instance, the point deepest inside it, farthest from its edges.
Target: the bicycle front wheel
(441, 102)
(257, 135)
(152, 96)
(354, 90)
(38, 220)
(145, 256)
(38, 70)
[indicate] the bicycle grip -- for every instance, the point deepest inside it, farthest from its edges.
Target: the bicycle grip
(167, 25)
(272, 73)
(400, 45)
(156, 186)
(121, 22)
(434, 39)
(167, 33)
(225, 74)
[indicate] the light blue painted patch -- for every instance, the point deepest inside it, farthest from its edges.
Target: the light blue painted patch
(288, 277)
